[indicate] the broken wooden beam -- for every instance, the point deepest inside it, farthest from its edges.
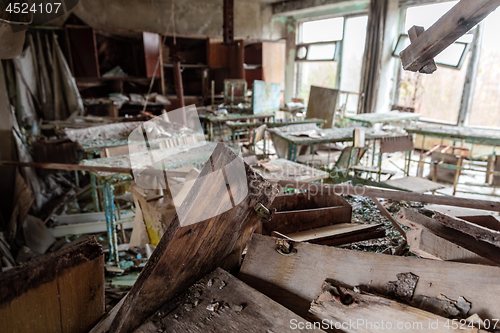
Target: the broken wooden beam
(454, 24)
(430, 67)
(367, 191)
(341, 309)
(295, 280)
(67, 167)
(59, 292)
(229, 191)
(221, 303)
(415, 220)
(388, 215)
(425, 244)
(479, 232)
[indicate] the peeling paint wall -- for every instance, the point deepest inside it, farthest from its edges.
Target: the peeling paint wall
(252, 19)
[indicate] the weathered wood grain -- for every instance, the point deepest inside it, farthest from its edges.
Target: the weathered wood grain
(475, 230)
(221, 303)
(336, 305)
(186, 253)
(303, 211)
(458, 21)
(60, 292)
(425, 244)
(415, 220)
(295, 281)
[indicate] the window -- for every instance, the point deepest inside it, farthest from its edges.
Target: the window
(438, 96)
(322, 30)
(329, 54)
(486, 98)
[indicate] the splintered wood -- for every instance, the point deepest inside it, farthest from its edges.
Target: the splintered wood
(360, 312)
(60, 292)
(295, 280)
(227, 218)
(441, 229)
(221, 303)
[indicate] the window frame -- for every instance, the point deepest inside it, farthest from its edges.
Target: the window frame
(338, 49)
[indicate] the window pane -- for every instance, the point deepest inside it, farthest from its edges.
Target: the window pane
(323, 30)
(353, 49)
(486, 103)
(437, 96)
(425, 16)
(320, 73)
(321, 52)
(450, 56)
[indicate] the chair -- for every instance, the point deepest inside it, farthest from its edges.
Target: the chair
(389, 145)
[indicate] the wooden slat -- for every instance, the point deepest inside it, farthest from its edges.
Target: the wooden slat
(458, 21)
(60, 292)
(367, 191)
(339, 234)
(304, 211)
(67, 167)
(187, 253)
(415, 220)
(221, 303)
(295, 281)
(371, 314)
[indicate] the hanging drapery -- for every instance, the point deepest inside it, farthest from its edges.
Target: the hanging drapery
(372, 57)
(44, 85)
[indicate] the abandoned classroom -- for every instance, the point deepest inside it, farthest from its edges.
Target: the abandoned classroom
(249, 166)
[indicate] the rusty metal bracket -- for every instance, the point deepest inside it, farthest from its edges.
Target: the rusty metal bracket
(285, 247)
(263, 212)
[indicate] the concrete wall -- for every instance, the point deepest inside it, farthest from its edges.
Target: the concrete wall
(252, 19)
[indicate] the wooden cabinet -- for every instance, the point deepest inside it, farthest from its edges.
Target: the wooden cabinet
(265, 61)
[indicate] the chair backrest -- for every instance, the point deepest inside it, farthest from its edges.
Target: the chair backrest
(395, 144)
(349, 156)
(322, 104)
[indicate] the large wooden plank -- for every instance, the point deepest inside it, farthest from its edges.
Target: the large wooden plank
(187, 251)
(295, 281)
(59, 292)
(221, 303)
(337, 306)
(425, 244)
(415, 220)
(458, 21)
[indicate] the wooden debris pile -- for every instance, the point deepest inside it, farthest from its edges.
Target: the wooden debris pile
(226, 273)
(285, 285)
